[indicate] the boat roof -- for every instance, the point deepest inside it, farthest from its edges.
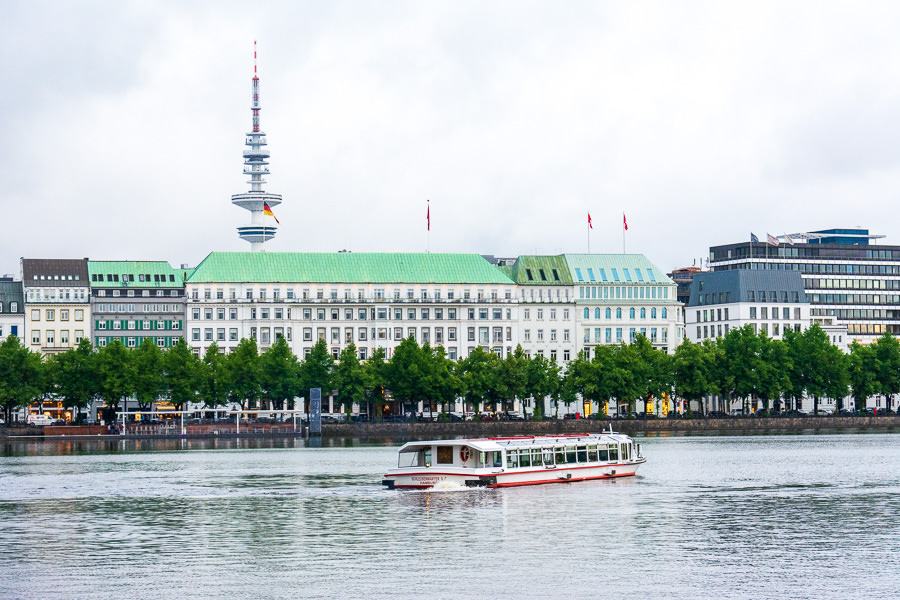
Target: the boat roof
(500, 443)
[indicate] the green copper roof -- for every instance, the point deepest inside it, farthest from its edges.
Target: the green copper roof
(541, 270)
(134, 273)
(614, 268)
(349, 267)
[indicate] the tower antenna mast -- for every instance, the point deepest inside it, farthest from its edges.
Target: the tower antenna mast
(256, 165)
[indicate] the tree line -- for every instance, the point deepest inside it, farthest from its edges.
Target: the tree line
(742, 365)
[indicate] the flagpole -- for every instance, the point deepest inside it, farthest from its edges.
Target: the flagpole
(428, 240)
(589, 232)
(623, 233)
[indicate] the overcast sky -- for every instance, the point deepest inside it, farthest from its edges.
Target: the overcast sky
(123, 125)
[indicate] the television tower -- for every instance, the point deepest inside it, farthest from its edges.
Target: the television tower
(256, 165)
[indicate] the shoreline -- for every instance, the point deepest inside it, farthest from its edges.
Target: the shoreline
(645, 427)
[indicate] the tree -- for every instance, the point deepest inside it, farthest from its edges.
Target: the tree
(774, 368)
(691, 371)
(539, 383)
(349, 380)
(816, 363)
(741, 364)
(278, 371)
(115, 373)
(478, 375)
(147, 364)
(20, 376)
(655, 375)
(74, 373)
(375, 368)
(407, 373)
(444, 385)
(181, 374)
(243, 373)
(625, 371)
(794, 343)
(861, 373)
(213, 382)
(316, 371)
(887, 364)
(512, 377)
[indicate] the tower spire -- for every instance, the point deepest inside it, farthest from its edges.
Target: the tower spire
(256, 164)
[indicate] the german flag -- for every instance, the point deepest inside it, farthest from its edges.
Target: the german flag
(268, 211)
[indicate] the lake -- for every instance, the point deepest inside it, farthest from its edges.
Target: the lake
(763, 516)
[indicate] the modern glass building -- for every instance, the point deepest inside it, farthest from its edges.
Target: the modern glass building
(849, 280)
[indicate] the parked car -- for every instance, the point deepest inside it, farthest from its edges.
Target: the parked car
(39, 420)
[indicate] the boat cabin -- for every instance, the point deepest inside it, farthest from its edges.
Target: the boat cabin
(519, 453)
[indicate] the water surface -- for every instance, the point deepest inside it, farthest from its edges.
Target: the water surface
(813, 516)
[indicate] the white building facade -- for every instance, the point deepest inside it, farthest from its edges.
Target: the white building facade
(57, 303)
(768, 301)
(457, 301)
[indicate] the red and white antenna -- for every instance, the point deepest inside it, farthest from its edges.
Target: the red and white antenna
(255, 105)
(256, 166)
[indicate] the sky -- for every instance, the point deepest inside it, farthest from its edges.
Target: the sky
(123, 125)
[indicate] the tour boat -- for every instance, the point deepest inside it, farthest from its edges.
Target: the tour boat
(512, 461)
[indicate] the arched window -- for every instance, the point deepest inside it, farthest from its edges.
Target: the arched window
(631, 313)
(618, 313)
(597, 313)
(643, 313)
(608, 313)
(587, 313)
(663, 313)
(653, 313)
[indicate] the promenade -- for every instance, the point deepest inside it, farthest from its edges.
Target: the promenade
(731, 425)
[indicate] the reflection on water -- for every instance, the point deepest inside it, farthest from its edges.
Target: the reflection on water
(707, 517)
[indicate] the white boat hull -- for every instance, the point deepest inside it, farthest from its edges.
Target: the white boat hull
(494, 478)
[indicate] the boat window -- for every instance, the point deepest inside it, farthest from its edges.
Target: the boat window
(582, 454)
(570, 454)
(409, 458)
(548, 456)
(560, 455)
(525, 458)
(604, 454)
(445, 455)
(536, 457)
(496, 458)
(512, 459)
(425, 461)
(613, 452)
(592, 453)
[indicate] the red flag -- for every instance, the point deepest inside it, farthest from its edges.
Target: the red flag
(590, 225)
(428, 217)
(625, 221)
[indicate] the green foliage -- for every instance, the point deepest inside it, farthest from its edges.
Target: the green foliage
(478, 375)
(887, 367)
(147, 364)
(279, 373)
(181, 374)
(74, 375)
(21, 374)
(349, 380)
(243, 373)
(862, 372)
(115, 373)
(316, 371)
(213, 384)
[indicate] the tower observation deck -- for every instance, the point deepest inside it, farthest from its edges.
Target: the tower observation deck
(256, 165)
